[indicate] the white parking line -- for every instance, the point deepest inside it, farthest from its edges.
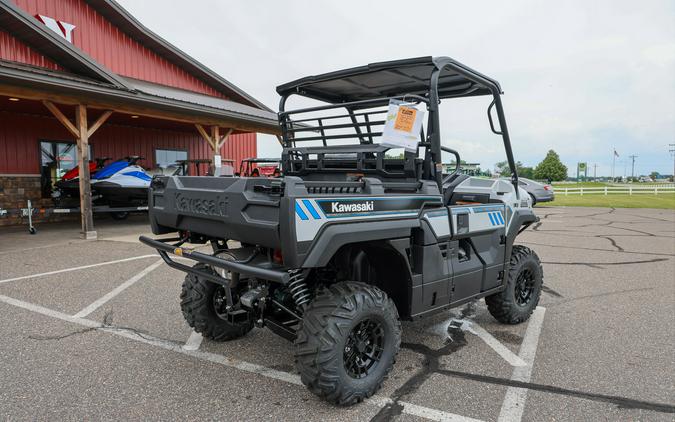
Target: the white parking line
(193, 342)
(119, 289)
(496, 345)
(83, 267)
(480, 332)
(377, 400)
(514, 401)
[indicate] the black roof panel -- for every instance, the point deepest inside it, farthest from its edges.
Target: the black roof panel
(393, 78)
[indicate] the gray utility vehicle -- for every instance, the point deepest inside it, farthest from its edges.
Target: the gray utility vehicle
(354, 237)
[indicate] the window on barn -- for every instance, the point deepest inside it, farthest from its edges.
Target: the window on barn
(56, 159)
(165, 158)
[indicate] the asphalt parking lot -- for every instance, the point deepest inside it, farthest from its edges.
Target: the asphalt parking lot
(93, 330)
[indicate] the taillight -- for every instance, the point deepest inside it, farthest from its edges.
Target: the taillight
(277, 257)
(547, 187)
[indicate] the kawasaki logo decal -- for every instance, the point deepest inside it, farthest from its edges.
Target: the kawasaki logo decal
(337, 207)
(319, 209)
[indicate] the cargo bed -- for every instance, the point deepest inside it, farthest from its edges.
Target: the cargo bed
(244, 209)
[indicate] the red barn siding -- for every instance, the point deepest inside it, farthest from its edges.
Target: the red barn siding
(113, 48)
(19, 135)
(14, 50)
(239, 147)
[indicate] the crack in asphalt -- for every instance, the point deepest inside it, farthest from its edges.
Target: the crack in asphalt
(578, 298)
(430, 365)
(618, 248)
(623, 402)
(599, 265)
(546, 289)
(599, 249)
(107, 324)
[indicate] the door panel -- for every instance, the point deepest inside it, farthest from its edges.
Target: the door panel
(478, 238)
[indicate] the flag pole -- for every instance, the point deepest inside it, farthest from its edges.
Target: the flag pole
(613, 161)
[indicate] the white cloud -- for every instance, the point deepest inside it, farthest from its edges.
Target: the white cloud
(579, 77)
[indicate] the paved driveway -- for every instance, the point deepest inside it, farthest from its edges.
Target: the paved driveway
(93, 330)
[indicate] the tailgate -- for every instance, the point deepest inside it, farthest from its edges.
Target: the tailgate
(217, 207)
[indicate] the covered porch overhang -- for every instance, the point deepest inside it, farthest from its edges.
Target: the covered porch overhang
(82, 106)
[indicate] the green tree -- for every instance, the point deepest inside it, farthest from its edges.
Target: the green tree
(505, 170)
(654, 175)
(551, 168)
(526, 172)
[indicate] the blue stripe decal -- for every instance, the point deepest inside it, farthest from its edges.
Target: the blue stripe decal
(300, 212)
(501, 219)
(492, 219)
(311, 209)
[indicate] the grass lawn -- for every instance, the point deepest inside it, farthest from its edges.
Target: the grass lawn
(666, 200)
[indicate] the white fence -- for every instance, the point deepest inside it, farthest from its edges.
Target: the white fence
(609, 190)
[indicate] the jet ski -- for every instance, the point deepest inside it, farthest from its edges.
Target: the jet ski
(122, 183)
(69, 185)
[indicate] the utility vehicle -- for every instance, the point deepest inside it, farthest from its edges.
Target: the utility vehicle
(356, 236)
(264, 166)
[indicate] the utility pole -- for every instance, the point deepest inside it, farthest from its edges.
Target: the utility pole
(595, 171)
(632, 172)
(672, 151)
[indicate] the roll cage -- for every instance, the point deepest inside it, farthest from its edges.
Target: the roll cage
(365, 93)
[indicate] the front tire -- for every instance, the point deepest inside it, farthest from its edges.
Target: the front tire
(524, 280)
(348, 342)
(202, 301)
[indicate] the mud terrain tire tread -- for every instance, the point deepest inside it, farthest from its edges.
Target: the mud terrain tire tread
(196, 302)
(502, 305)
(320, 342)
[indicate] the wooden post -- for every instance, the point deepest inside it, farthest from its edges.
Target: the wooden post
(81, 124)
(215, 151)
(82, 132)
(215, 141)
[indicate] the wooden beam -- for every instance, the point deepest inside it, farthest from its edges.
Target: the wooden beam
(224, 137)
(129, 107)
(83, 163)
(97, 124)
(61, 118)
(215, 138)
(204, 134)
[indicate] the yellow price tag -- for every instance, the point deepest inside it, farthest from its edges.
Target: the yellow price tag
(405, 119)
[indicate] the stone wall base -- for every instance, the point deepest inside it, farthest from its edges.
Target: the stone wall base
(15, 191)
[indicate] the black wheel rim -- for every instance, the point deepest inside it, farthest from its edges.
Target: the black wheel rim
(220, 302)
(363, 348)
(524, 287)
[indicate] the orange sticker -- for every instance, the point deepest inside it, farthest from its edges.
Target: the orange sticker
(405, 119)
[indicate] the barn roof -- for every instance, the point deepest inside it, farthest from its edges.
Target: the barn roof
(82, 75)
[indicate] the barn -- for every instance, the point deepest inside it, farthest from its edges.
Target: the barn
(84, 79)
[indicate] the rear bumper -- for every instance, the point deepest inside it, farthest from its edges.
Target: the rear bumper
(165, 248)
(546, 197)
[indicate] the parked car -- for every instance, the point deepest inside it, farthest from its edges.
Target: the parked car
(539, 192)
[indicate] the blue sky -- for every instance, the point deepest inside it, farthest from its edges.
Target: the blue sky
(579, 77)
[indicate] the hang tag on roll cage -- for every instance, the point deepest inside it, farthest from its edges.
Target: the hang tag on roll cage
(402, 126)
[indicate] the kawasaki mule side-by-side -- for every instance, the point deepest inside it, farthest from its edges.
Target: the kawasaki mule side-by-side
(363, 229)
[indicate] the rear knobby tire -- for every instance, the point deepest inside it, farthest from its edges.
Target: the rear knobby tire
(197, 304)
(514, 304)
(331, 323)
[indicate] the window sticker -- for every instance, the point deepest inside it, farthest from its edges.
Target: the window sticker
(403, 125)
